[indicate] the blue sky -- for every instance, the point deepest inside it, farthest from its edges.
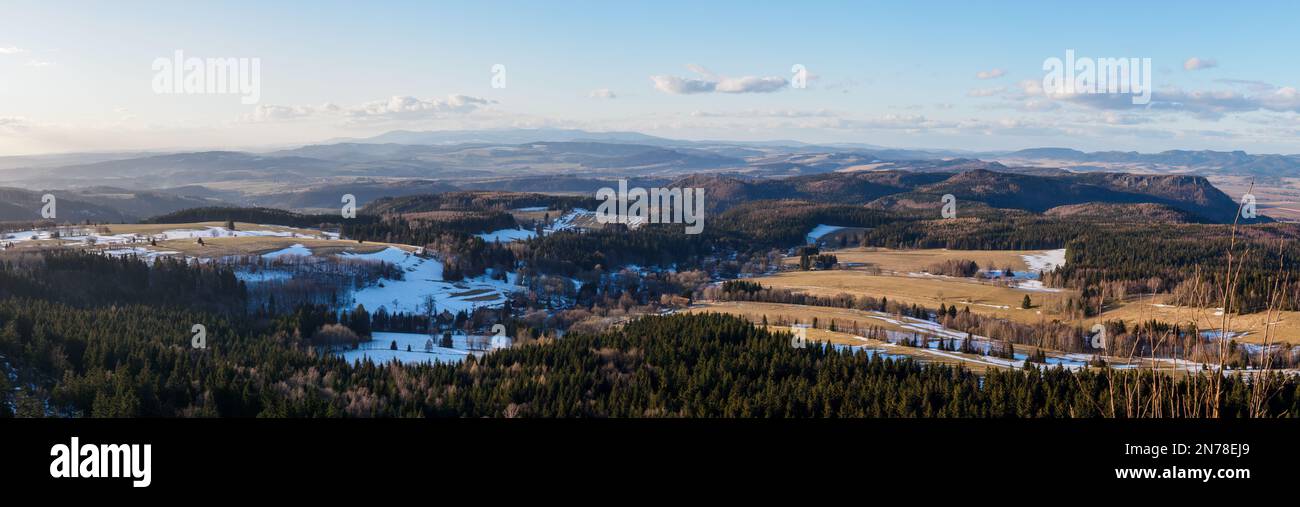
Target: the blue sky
(77, 76)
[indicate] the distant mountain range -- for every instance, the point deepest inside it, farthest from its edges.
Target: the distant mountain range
(504, 136)
(560, 160)
(97, 204)
(1204, 162)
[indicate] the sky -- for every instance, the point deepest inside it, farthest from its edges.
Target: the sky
(85, 76)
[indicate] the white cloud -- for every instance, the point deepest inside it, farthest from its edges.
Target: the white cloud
(751, 84)
(1197, 63)
(602, 93)
(394, 108)
(13, 124)
(11, 50)
(711, 83)
(990, 74)
(758, 113)
(271, 112)
(1241, 97)
(682, 86)
(411, 106)
(1213, 104)
(985, 92)
(39, 63)
(1113, 118)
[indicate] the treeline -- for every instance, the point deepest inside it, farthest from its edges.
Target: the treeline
(1191, 262)
(954, 267)
(783, 224)
(475, 200)
(1050, 334)
(135, 361)
(412, 230)
(810, 258)
(1003, 231)
(570, 252)
(721, 366)
(1146, 339)
(79, 278)
(253, 216)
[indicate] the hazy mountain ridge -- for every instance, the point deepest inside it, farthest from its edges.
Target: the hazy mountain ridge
(559, 160)
(1205, 162)
(25, 205)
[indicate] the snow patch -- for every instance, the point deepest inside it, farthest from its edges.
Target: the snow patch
(296, 249)
(1045, 261)
(819, 231)
(423, 277)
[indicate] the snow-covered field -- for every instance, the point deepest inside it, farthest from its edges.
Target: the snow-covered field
(507, 235)
(378, 349)
(23, 236)
(1045, 261)
(564, 222)
(819, 231)
(1035, 286)
(295, 249)
(423, 277)
(76, 235)
(143, 253)
(1037, 263)
(222, 232)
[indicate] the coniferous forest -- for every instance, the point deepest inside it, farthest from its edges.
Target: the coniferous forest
(72, 356)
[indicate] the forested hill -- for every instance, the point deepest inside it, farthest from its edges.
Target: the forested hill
(1193, 195)
(473, 201)
(132, 360)
(270, 216)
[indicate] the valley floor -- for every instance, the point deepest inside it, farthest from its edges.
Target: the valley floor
(899, 276)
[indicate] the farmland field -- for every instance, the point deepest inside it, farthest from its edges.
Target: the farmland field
(907, 261)
(901, 280)
(930, 291)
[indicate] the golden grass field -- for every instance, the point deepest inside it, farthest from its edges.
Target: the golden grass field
(1285, 325)
(526, 217)
(986, 298)
(910, 261)
(982, 297)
